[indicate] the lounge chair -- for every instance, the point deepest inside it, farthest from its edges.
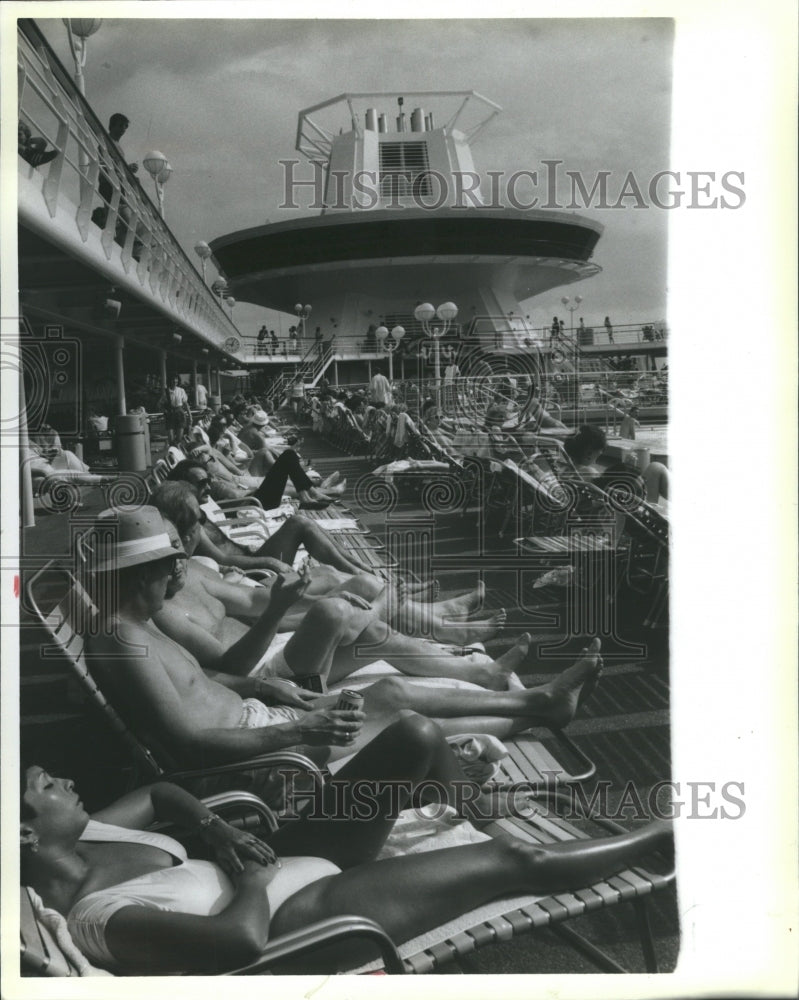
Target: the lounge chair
(493, 923)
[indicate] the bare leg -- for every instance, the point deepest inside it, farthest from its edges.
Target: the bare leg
(464, 604)
(412, 656)
(330, 622)
(554, 703)
(403, 749)
(298, 531)
(411, 895)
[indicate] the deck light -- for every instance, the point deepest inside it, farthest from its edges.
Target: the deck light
(203, 251)
(160, 169)
(446, 312)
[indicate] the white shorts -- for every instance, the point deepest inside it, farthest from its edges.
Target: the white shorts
(254, 714)
(273, 662)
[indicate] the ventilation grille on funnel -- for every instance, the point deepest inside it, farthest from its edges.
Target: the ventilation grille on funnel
(404, 169)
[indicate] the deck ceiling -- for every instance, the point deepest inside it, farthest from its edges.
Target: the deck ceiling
(56, 288)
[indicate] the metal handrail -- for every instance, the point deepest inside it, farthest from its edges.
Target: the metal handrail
(134, 245)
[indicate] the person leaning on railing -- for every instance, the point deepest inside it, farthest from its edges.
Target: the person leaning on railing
(33, 149)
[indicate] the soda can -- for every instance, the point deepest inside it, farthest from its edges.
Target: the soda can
(350, 701)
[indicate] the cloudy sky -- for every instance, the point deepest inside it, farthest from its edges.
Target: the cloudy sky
(220, 99)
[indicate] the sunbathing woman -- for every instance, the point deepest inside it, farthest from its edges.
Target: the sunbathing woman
(136, 904)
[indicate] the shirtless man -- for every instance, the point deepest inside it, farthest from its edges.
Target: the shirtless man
(163, 691)
(199, 605)
(178, 505)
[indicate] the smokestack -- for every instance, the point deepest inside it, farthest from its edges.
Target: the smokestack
(417, 120)
(381, 124)
(371, 119)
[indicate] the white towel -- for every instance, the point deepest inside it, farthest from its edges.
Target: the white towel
(57, 926)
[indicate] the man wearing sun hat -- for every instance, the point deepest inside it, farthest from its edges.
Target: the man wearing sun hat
(158, 686)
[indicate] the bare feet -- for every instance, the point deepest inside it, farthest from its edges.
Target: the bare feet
(510, 661)
(466, 632)
(331, 480)
(423, 591)
(465, 604)
(563, 696)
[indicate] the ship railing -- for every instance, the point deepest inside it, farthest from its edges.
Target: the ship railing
(598, 336)
(123, 235)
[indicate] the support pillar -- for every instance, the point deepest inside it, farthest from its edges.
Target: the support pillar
(335, 374)
(194, 379)
(369, 370)
(163, 370)
(28, 518)
(122, 406)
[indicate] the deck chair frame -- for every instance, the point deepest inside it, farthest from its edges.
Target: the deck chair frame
(146, 764)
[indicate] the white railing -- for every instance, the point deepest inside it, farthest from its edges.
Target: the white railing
(599, 336)
(123, 235)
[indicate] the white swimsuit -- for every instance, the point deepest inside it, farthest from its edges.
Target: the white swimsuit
(200, 888)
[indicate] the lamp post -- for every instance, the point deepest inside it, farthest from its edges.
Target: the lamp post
(423, 314)
(575, 346)
(381, 334)
(303, 312)
(203, 251)
(572, 309)
(79, 30)
(160, 169)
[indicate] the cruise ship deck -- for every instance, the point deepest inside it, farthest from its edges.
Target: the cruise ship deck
(113, 308)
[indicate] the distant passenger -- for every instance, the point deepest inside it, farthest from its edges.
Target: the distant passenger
(380, 391)
(33, 149)
(584, 448)
(177, 416)
(609, 329)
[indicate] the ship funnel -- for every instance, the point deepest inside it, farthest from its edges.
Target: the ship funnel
(371, 119)
(428, 123)
(381, 124)
(417, 120)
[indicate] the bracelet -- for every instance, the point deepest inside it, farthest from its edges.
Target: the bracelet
(206, 821)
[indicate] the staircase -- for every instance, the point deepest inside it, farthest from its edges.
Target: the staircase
(311, 368)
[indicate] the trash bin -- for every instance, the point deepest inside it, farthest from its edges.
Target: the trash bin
(131, 436)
